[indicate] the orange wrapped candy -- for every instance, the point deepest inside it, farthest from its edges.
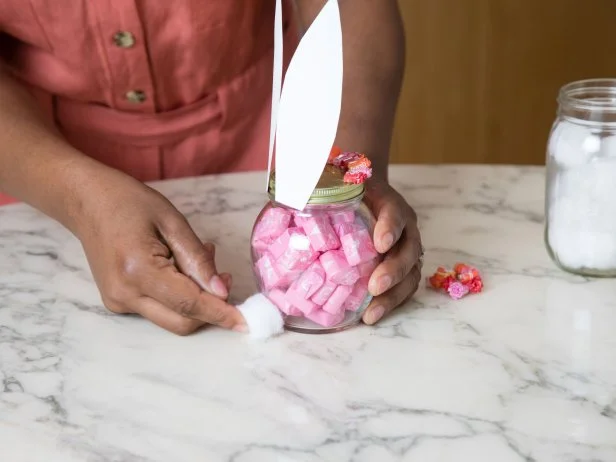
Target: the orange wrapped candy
(362, 162)
(441, 277)
(335, 152)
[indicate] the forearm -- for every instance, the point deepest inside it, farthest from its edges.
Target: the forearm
(373, 42)
(37, 165)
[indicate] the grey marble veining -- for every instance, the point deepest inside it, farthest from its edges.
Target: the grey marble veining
(525, 371)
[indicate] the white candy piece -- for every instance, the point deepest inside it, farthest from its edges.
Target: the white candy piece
(262, 317)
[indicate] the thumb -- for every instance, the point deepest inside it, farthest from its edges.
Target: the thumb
(227, 279)
(194, 259)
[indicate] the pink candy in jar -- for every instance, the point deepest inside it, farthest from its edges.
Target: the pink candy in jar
(315, 264)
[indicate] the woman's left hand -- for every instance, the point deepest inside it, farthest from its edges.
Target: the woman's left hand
(396, 235)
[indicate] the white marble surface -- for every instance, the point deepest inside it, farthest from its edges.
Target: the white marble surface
(525, 371)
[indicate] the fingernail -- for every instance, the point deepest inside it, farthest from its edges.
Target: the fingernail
(243, 328)
(218, 286)
(374, 315)
(384, 283)
(387, 241)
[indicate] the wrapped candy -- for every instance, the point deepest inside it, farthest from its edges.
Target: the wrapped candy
(310, 280)
(272, 224)
(280, 300)
(334, 153)
(357, 166)
(320, 233)
(457, 290)
(322, 295)
(335, 303)
(465, 273)
(476, 286)
(338, 269)
(298, 254)
(464, 279)
(358, 247)
(356, 297)
(270, 273)
(355, 177)
(340, 217)
(441, 275)
(343, 159)
(325, 319)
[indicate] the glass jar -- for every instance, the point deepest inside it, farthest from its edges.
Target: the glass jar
(315, 265)
(580, 199)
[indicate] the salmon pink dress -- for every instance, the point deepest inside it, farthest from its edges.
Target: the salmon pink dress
(157, 89)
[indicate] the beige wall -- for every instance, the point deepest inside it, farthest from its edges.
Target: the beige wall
(483, 75)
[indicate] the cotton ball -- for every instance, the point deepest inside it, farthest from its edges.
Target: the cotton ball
(579, 249)
(582, 216)
(262, 317)
(608, 146)
(571, 144)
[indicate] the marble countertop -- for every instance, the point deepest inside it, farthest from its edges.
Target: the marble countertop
(525, 371)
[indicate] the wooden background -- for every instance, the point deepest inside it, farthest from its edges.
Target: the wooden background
(483, 75)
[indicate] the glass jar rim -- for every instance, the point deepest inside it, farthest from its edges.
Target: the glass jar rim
(576, 95)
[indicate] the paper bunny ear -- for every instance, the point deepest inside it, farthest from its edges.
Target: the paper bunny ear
(276, 83)
(309, 109)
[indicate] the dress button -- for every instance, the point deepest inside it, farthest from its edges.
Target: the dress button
(135, 96)
(124, 39)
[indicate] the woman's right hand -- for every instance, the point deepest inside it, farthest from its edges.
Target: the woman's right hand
(143, 254)
(146, 259)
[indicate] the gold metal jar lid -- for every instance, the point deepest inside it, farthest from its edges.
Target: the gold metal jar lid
(330, 189)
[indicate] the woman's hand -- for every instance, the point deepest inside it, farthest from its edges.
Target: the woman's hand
(147, 260)
(396, 235)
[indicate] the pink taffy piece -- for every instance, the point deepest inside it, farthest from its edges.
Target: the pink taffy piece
(281, 243)
(325, 319)
(298, 255)
(279, 299)
(342, 229)
(338, 269)
(289, 277)
(322, 295)
(268, 270)
(310, 281)
(298, 219)
(342, 217)
(261, 245)
(356, 298)
(358, 247)
(335, 303)
(297, 299)
(272, 224)
(321, 234)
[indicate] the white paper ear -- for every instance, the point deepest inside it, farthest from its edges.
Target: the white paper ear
(309, 109)
(276, 83)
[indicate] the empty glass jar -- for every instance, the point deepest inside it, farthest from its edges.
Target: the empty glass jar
(580, 201)
(314, 265)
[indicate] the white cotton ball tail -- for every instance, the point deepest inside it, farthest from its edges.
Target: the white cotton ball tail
(263, 318)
